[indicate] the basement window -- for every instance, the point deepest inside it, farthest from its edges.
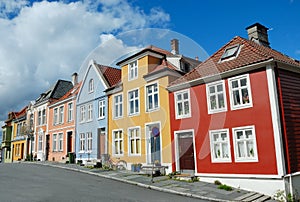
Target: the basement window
(230, 52)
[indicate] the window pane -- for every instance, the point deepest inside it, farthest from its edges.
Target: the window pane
(221, 101)
(220, 88)
(179, 97)
(213, 103)
(234, 84)
(243, 82)
(212, 89)
(236, 97)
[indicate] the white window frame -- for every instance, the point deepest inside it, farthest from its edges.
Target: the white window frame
(216, 95)
(239, 89)
(82, 142)
(135, 100)
(90, 112)
(70, 111)
(118, 113)
(136, 138)
(184, 115)
(55, 116)
(89, 137)
(152, 96)
(40, 142)
(91, 86)
(248, 158)
(54, 142)
(101, 109)
(220, 144)
(82, 114)
(60, 142)
(119, 151)
(61, 115)
(44, 116)
(132, 70)
(40, 117)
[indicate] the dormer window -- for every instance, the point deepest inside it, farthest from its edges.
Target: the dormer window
(230, 52)
(91, 86)
(132, 70)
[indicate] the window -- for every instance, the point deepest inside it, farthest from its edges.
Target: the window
(118, 106)
(89, 141)
(133, 102)
(91, 86)
(70, 112)
(118, 142)
(82, 113)
(60, 142)
(152, 101)
(55, 116)
(240, 92)
(90, 112)
(101, 109)
(132, 70)
(54, 142)
(39, 118)
(134, 141)
(220, 145)
(230, 52)
(40, 143)
(216, 97)
(245, 144)
(82, 142)
(182, 104)
(44, 116)
(19, 126)
(61, 115)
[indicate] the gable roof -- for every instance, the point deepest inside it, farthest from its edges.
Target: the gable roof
(59, 89)
(111, 75)
(249, 53)
(150, 48)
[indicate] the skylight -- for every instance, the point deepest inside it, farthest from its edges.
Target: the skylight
(230, 52)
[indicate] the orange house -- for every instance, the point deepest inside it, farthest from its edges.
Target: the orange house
(61, 125)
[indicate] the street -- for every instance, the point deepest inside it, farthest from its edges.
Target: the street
(31, 182)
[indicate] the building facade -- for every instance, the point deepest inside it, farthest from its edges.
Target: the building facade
(236, 124)
(139, 123)
(92, 112)
(18, 141)
(61, 124)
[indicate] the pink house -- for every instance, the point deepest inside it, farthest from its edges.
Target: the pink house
(61, 124)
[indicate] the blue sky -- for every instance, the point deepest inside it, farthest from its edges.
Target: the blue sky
(212, 23)
(39, 36)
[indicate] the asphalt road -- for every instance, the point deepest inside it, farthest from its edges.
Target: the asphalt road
(30, 182)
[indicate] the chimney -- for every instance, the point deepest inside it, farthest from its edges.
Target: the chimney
(74, 78)
(259, 34)
(175, 46)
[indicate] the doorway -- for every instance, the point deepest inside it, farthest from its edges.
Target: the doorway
(69, 142)
(185, 159)
(153, 135)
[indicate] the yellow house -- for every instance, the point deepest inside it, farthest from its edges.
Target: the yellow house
(139, 120)
(18, 141)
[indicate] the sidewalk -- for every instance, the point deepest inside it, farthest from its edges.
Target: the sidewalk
(198, 189)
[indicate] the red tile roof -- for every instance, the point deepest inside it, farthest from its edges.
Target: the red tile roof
(164, 64)
(250, 53)
(111, 74)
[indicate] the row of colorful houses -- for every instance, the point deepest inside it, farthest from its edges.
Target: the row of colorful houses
(233, 117)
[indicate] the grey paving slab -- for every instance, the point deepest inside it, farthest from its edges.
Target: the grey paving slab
(203, 190)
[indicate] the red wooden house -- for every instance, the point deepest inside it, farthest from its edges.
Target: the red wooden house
(236, 117)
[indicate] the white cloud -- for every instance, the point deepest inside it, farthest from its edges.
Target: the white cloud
(10, 7)
(50, 40)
